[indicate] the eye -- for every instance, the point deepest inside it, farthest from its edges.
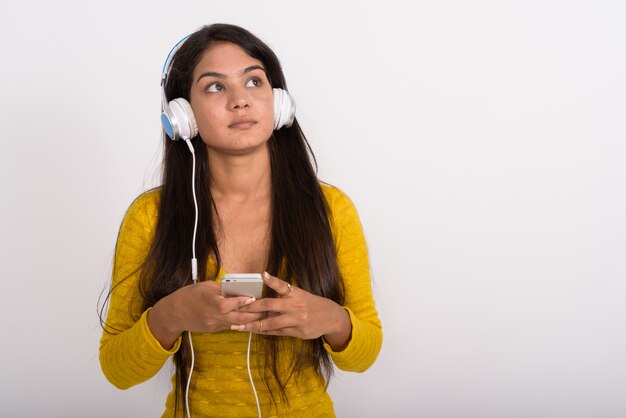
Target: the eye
(214, 88)
(254, 82)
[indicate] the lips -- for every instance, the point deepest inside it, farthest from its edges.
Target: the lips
(242, 124)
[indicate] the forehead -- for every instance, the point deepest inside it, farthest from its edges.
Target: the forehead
(226, 58)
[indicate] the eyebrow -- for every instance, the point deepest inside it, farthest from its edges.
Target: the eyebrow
(220, 75)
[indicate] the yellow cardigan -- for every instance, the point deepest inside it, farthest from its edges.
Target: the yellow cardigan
(129, 353)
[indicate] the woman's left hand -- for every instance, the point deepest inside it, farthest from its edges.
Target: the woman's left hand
(298, 313)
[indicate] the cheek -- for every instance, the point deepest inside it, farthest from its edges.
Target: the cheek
(266, 106)
(268, 129)
(268, 121)
(207, 121)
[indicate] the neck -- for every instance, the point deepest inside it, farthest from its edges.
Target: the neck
(240, 177)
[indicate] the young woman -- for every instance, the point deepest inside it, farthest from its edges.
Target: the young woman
(261, 209)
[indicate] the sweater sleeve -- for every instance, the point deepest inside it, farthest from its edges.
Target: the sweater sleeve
(129, 353)
(352, 256)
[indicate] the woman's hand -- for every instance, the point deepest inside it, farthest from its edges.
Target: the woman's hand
(298, 313)
(197, 308)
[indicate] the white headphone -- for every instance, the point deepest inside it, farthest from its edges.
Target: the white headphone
(179, 122)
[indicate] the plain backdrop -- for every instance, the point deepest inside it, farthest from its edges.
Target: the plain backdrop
(483, 142)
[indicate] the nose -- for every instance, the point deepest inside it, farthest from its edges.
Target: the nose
(241, 104)
(239, 99)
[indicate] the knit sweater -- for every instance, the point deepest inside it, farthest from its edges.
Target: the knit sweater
(130, 354)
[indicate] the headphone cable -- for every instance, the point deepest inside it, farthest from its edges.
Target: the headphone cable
(258, 406)
(194, 276)
(194, 264)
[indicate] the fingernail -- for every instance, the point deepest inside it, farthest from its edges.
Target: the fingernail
(249, 301)
(236, 327)
(266, 275)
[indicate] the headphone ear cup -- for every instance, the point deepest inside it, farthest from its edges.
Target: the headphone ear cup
(284, 109)
(187, 126)
(178, 120)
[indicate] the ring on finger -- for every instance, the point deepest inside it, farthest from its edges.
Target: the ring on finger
(260, 326)
(289, 289)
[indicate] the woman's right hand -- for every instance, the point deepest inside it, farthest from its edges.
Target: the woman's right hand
(197, 308)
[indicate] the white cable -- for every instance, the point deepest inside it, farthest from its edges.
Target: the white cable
(258, 407)
(194, 276)
(189, 378)
(194, 260)
(194, 263)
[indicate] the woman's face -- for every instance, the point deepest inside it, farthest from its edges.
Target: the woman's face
(232, 100)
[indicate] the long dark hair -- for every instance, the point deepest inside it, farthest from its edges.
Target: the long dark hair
(302, 249)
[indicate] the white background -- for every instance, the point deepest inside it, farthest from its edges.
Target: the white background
(483, 143)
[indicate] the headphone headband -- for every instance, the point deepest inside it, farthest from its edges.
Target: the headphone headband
(170, 58)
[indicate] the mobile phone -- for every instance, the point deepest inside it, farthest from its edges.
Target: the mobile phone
(245, 284)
